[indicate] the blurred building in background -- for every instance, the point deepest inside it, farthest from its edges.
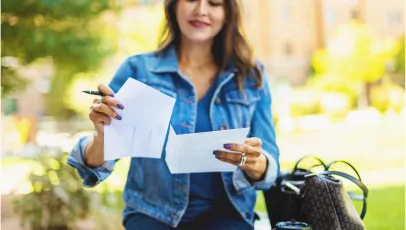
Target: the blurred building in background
(285, 33)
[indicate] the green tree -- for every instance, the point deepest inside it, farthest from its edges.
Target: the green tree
(353, 61)
(399, 71)
(75, 34)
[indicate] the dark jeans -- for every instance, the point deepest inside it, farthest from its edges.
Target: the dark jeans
(220, 218)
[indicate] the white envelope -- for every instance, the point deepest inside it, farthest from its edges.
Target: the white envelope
(193, 153)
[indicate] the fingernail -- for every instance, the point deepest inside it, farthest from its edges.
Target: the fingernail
(228, 146)
(120, 106)
(112, 95)
(119, 117)
(218, 157)
(216, 153)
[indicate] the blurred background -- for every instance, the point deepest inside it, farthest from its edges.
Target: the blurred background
(336, 70)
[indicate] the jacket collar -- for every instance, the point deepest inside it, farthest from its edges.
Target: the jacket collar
(167, 61)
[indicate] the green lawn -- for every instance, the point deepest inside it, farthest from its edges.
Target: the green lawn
(386, 210)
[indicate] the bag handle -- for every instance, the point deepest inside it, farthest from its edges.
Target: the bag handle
(344, 162)
(309, 156)
(356, 181)
(351, 194)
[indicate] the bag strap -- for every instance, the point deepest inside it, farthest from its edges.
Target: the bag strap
(344, 162)
(352, 195)
(356, 181)
(309, 156)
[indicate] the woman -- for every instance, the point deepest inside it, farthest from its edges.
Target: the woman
(204, 61)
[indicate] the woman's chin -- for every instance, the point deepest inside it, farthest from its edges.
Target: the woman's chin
(199, 38)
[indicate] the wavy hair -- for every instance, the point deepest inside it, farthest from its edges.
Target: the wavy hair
(229, 45)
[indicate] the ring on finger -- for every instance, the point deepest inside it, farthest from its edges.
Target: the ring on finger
(243, 160)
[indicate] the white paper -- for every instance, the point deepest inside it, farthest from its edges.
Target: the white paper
(145, 121)
(193, 153)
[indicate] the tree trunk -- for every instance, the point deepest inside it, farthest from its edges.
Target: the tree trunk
(368, 87)
(55, 99)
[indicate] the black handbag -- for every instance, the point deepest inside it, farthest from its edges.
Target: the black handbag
(316, 198)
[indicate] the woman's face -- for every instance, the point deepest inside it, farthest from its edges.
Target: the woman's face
(200, 20)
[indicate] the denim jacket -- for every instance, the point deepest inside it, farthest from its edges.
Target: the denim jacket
(150, 187)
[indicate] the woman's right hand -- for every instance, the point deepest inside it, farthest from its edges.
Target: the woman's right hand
(101, 111)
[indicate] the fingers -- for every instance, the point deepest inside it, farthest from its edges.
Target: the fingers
(244, 148)
(233, 158)
(252, 149)
(105, 90)
(108, 100)
(253, 141)
(102, 110)
(105, 109)
(99, 118)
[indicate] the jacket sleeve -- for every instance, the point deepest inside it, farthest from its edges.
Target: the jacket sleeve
(262, 126)
(93, 176)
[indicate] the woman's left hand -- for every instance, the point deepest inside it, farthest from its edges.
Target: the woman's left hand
(255, 161)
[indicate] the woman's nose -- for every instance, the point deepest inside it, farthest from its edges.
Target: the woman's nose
(202, 7)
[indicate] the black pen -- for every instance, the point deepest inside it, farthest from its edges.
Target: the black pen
(93, 92)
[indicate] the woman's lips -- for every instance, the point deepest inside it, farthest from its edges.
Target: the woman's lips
(198, 24)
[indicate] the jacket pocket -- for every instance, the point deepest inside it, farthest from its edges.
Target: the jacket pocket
(246, 98)
(241, 106)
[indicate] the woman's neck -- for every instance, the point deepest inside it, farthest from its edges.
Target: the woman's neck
(195, 55)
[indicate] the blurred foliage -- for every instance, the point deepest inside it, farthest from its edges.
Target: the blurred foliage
(400, 57)
(76, 34)
(305, 102)
(134, 38)
(398, 72)
(11, 81)
(58, 198)
(388, 96)
(310, 101)
(352, 61)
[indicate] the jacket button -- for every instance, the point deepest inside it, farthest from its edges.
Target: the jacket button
(217, 101)
(224, 127)
(248, 215)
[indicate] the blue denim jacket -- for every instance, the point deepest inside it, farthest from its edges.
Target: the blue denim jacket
(150, 188)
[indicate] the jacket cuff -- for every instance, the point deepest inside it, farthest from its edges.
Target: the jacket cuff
(270, 174)
(91, 176)
(242, 184)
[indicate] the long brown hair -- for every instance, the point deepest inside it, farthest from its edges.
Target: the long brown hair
(230, 44)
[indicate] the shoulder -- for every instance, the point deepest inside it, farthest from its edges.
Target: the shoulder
(132, 67)
(251, 80)
(153, 61)
(264, 89)
(141, 66)
(141, 60)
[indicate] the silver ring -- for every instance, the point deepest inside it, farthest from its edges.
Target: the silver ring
(243, 159)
